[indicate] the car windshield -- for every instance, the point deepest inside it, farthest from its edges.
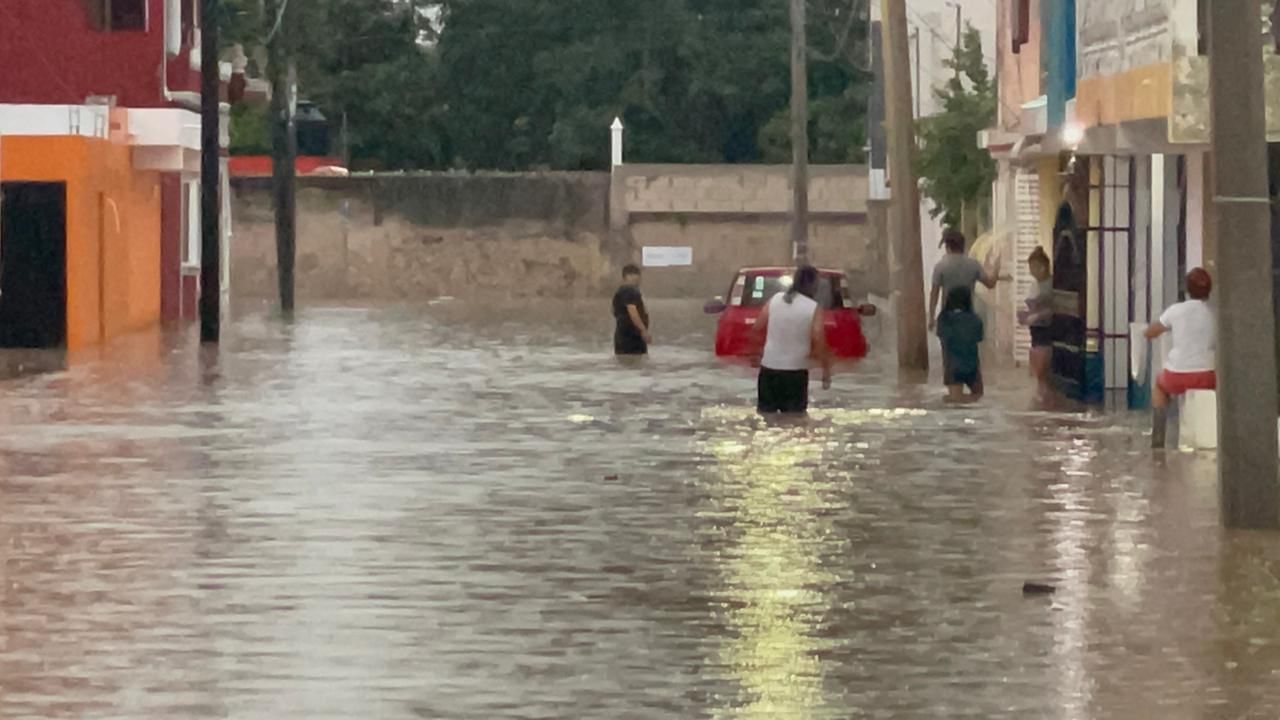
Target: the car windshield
(755, 290)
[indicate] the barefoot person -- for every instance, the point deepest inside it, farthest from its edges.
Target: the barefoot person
(957, 270)
(1038, 317)
(1191, 362)
(631, 335)
(793, 331)
(961, 331)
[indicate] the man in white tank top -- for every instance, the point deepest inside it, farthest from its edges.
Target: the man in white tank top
(794, 332)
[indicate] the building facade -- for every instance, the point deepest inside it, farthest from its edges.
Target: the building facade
(99, 145)
(1114, 145)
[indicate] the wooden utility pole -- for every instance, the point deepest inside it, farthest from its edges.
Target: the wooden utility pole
(284, 147)
(210, 177)
(799, 134)
(906, 257)
(1248, 469)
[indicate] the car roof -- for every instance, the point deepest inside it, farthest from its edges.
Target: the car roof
(781, 270)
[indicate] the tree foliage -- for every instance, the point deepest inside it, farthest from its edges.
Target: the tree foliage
(954, 171)
(519, 84)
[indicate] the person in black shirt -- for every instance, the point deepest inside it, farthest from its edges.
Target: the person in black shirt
(632, 334)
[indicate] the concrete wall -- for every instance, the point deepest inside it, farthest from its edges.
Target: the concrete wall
(547, 234)
(430, 235)
(733, 216)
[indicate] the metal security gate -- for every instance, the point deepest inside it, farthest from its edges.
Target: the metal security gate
(1111, 306)
(1026, 240)
(1070, 281)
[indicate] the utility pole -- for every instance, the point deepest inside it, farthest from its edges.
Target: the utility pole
(959, 28)
(919, 87)
(799, 134)
(210, 177)
(1248, 469)
(284, 147)
(878, 201)
(906, 261)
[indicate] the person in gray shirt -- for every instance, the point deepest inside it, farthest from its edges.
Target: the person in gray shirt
(957, 270)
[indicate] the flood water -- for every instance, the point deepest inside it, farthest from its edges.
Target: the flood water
(437, 512)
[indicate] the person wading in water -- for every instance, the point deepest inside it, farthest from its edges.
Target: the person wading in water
(793, 331)
(631, 336)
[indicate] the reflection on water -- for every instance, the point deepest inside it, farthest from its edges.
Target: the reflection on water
(437, 512)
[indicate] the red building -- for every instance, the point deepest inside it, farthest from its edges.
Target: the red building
(139, 56)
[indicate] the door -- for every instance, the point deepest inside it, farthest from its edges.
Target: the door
(33, 265)
(1070, 283)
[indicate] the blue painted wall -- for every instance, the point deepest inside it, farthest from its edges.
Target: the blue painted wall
(1058, 56)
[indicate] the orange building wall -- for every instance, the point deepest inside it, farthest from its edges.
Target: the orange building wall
(1020, 73)
(1139, 94)
(113, 230)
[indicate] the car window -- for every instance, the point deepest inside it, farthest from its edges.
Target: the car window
(832, 292)
(760, 289)
(751, 290)
(736, 292)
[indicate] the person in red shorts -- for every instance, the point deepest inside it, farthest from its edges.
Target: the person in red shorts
(1191, 363)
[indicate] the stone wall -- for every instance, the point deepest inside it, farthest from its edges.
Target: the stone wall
(431, 235)
(547, 234)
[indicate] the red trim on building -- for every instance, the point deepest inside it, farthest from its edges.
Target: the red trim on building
(260, 165)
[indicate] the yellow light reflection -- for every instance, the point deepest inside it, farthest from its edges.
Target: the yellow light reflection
(774, 575)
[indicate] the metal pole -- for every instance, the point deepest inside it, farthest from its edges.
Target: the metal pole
(799, 134)
(283, 152)
(906, 256)
(210, 177)
(1248, 469)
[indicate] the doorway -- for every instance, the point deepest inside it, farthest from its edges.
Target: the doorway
(33, 265)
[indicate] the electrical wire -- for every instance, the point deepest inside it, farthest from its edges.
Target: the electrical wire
(284, 5)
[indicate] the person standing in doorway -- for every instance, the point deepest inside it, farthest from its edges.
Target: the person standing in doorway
(957, 270)
(631, 335)
(794, 333)
(1038, 317)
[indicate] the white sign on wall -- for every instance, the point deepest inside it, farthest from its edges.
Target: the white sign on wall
(658, 256)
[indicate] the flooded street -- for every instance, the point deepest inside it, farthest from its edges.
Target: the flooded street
(423, 512)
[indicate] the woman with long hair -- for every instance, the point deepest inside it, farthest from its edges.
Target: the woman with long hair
(794, 334)
(1038, 317)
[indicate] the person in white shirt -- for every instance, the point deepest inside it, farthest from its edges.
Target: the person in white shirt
(793, 330)
(1191, 364)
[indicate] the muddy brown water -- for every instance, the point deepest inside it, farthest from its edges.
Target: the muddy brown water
(449, 511)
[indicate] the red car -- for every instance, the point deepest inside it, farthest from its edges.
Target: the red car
(754, 287)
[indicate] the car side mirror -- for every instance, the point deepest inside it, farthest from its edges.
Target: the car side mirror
(867, 310)
(715, 307)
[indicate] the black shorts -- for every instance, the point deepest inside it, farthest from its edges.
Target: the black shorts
(782, 391)
(626, 344)
(1041, 336)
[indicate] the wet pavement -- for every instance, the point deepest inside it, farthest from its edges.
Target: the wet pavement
(421, 512)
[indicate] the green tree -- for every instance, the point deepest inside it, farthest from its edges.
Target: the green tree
(956, 174)
(536, 83)
(519, 84)
(362, 59)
